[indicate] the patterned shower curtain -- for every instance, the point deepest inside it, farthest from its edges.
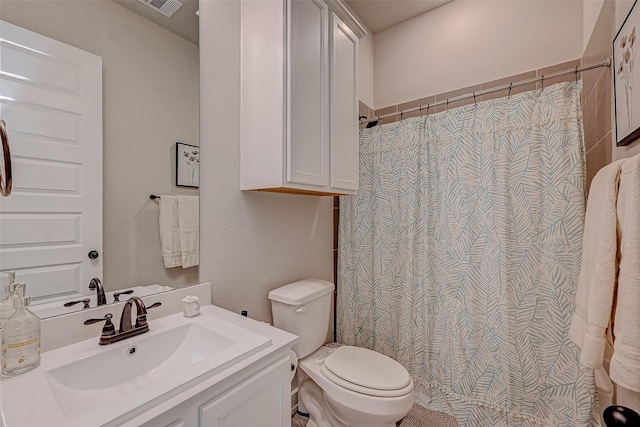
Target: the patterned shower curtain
(459, 257)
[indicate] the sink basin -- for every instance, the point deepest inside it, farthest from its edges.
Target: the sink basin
(145, 363)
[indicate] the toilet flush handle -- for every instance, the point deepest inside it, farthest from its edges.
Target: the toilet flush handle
(301, 309)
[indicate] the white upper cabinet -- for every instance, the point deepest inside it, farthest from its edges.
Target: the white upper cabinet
(308, 112)
(343, 97)
(299, 99)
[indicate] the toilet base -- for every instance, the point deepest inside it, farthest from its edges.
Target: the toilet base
(322, 413)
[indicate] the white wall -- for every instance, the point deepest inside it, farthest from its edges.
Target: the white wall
(468, 42)
(365, 70)
(150, 101)
(590, 12)
(622, 8)
(250, 242)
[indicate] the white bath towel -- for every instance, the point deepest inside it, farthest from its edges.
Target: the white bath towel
(596, 285)
(188, 225)
(625, 363)
(169, 231)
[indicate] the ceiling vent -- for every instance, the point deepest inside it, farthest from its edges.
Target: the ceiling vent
(165, 7)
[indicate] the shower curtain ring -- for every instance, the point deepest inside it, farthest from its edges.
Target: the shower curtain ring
(510, 84)
(401, 114)
(542, 81)
(447, 104)
(420, 108)
(474, 99)
(576, 74)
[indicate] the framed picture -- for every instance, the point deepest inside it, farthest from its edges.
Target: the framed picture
(627, 100)
(187, 165)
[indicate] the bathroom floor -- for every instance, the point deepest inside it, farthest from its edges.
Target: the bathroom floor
(421, 417)
(298, 421)
(417, 417)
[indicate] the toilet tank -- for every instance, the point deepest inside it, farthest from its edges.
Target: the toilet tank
(303, 308)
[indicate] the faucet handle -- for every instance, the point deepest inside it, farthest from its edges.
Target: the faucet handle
(108, 328)
(116, 295)
(85, 301)
(106, 317)
(141, 319)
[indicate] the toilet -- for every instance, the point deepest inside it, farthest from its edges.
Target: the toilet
(339, 386)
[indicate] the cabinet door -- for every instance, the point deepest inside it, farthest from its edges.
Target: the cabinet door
(262, 400)
(344, 108)
(308, 107)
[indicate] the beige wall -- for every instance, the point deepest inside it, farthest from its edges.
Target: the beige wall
(150, 94)
(590, 13)
(467, 42)
(250, 242)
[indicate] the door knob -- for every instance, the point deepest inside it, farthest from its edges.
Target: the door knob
(94, 254)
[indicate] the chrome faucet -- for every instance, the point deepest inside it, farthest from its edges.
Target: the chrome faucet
(96, 285)
(126, 330)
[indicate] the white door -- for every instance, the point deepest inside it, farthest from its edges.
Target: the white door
(51, 100)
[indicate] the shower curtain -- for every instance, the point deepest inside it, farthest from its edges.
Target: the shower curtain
(459, 257)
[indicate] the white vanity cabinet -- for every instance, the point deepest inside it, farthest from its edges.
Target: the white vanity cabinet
(215, 369)
(299, 103)
(253, 398)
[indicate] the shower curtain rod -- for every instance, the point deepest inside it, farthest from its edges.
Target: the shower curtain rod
(421, 108)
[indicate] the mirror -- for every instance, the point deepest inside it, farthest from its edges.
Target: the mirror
(150, 102)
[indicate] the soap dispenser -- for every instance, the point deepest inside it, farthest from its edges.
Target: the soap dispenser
(12, 290)
(20, 340)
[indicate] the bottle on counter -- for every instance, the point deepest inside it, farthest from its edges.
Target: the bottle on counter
(12, 290)
(20, 340)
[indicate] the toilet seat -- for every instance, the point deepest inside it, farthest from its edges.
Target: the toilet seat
(367, 372)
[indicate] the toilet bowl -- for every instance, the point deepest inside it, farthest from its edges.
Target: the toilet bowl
(341, 386)
(333, 401)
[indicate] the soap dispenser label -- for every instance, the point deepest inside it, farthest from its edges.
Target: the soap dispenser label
(23, 344)
(19, 353)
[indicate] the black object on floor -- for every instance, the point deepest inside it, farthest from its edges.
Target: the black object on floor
(615, 416)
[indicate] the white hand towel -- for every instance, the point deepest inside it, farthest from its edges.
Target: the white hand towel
(596, 285)
(625, 363)
(169, 231)
(188, 224)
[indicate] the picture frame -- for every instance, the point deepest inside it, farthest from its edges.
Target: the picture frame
(187, 165)
(626, 99)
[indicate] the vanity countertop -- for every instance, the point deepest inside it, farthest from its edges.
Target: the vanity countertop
(37, 398)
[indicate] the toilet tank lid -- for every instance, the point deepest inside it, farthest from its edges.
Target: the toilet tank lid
(301, 292)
